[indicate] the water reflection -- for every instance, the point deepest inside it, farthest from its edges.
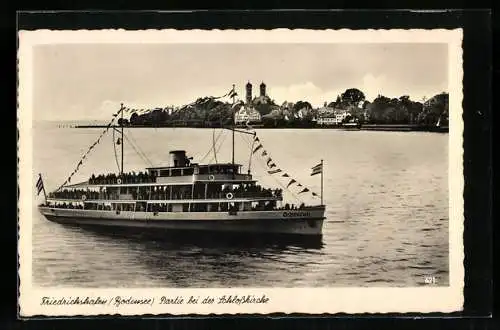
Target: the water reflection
(206, 240)
(218, 260)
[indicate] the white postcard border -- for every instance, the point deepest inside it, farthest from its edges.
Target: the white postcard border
(280, 300)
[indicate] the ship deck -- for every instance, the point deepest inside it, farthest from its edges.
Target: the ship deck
(167, 201)
(86, 184)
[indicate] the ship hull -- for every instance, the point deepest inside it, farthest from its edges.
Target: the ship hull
(307, 222)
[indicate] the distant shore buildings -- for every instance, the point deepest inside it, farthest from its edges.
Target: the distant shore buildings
(329, 116)
(262, 111)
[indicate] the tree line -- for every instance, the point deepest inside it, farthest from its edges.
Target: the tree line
(211, 112)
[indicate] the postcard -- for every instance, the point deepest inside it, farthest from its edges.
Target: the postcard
(174, 172)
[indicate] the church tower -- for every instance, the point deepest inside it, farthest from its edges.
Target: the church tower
(249, 93)
(262, 89)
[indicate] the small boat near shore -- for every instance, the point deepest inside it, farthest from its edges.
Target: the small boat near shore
(183, 196)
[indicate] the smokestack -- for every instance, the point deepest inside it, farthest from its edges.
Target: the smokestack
(178, 158)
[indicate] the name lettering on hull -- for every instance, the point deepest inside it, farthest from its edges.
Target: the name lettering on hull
(296, 214)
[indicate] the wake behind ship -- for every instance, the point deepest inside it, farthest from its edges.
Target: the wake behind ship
(183, 196)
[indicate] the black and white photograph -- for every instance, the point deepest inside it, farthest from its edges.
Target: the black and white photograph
(240, 171)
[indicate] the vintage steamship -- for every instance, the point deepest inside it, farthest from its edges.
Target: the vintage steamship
(186, 196)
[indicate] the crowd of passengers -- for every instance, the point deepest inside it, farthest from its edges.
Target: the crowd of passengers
(164, 193)
(252, 191)
(293, 207)
(214, 207)
(74, 194)
(67, 206)
(131, 177)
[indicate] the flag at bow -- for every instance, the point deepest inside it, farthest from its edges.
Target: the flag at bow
(39, 185)
(317, 169)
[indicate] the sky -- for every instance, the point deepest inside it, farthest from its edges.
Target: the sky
(89, 81)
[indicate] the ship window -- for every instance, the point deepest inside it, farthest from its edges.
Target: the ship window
(164, 173)
(176, 172)
(188, 171)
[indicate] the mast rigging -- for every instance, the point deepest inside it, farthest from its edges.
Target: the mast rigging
(233, 126)
(121, 110)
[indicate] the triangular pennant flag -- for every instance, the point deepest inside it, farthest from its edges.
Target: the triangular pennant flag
(299, 185)
(285, 175)
(314, 194)
(258, 147)
(256, 139)
(291, 182)
(272, 165)
(274, 171)
(264, 153)
(304, 190)
(269, 160)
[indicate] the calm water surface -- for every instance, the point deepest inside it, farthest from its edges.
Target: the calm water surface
(387, 212)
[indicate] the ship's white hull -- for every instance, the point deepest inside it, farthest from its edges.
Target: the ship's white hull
(298, 222)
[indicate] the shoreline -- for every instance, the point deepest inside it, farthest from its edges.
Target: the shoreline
(367, 127)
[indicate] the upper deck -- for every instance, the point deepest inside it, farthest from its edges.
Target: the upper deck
(183, 172)
(199, 173)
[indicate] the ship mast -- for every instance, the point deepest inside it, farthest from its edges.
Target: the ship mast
(121, 110)
(233, 127)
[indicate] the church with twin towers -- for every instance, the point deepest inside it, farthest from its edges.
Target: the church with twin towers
(249, 98)
(247, 113)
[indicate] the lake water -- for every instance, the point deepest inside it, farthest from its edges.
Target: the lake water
(387, 212)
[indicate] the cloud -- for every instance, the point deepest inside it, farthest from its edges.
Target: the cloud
(306, 91)
(373, 86)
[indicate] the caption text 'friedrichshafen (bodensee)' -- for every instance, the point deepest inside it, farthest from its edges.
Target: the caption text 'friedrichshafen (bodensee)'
(118, 301)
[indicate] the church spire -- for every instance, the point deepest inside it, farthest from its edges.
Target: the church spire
(249, 93)
(262, 89)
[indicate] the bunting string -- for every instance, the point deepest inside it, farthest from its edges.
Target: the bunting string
(272, 169)
(114, 149)
(262, 164)
(80, 162)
